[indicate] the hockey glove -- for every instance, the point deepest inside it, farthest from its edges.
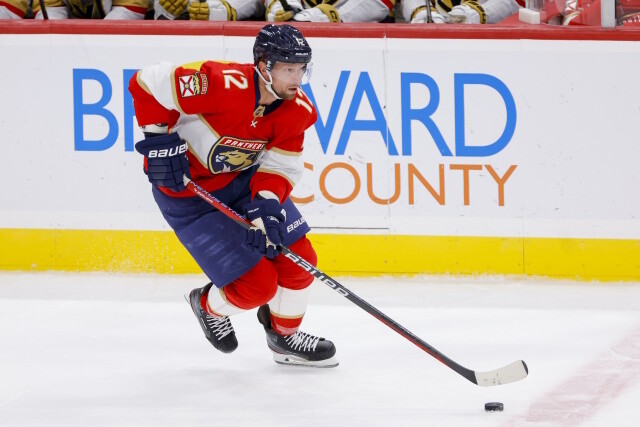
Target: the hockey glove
(167, 161)
(173, 7)
(419, 16)
(468, 12)
(268, 217)
(320, 13)
(211, 10)
(278, 11)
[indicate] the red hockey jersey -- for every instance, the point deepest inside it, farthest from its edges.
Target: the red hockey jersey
(214, 107)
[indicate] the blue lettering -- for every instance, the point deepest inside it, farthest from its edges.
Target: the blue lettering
(423, 115)
(129, 112)
(98, 109)
(459, 81)
(324, 130)
(379, 123)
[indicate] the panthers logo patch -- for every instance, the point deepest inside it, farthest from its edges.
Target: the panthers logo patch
(230, 154)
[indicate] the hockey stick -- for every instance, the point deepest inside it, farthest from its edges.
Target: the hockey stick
(43, 8)
(429, 17)
(507, 374)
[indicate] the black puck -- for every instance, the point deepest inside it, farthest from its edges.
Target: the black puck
(493, 406)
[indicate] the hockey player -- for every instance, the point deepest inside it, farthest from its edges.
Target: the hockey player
(237, 130)
(13, 9)
(208, 10)
(328, 10)
(459, 11)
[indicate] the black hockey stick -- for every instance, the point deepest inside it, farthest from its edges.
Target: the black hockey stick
(43, 8)
(507, 374)
(429, 17)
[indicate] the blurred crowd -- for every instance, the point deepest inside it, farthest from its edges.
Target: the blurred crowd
(559, 12)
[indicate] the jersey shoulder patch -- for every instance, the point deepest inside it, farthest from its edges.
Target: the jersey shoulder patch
(193, 84)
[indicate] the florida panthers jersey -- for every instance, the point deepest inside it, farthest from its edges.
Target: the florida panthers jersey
(214, 107)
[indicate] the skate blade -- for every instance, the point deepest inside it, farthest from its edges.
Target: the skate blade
(287, 359)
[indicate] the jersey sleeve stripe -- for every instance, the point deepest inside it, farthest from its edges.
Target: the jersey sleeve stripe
(286, 152)
(173, 91)
(142, 84)
(158, 79)
(202, 151)
(262, 169)
(207, 124)
(16, 7)
(287, 166)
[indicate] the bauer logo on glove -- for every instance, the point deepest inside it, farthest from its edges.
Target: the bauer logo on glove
(166, 161)
(170, 152)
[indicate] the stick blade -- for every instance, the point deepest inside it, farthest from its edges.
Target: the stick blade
(515, 371)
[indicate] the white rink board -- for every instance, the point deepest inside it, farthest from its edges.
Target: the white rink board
(574, 144)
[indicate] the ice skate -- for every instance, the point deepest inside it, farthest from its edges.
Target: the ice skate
(299, 348)
(217, 329)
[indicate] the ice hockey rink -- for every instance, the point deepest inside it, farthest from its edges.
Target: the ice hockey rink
(126, 350)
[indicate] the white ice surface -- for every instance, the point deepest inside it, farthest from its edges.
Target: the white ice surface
(126, 350)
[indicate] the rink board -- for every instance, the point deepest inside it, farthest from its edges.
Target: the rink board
(474, 151)
(345, 254)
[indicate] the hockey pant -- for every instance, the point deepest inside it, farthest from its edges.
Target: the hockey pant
(244, 279)
(278, 282)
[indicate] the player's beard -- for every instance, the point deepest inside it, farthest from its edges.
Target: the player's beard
(287, 93)
(288, 96)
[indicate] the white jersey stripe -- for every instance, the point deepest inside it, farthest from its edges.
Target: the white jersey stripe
(286, 165)
(158, 80)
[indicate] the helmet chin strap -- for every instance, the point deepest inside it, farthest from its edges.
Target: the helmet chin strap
(267, 83)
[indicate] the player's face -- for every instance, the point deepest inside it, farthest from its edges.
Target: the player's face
(287, 78)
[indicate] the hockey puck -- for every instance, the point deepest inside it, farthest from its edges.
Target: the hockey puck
(493, 406)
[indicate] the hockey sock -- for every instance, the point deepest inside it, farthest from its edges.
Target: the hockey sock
(287, 309)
